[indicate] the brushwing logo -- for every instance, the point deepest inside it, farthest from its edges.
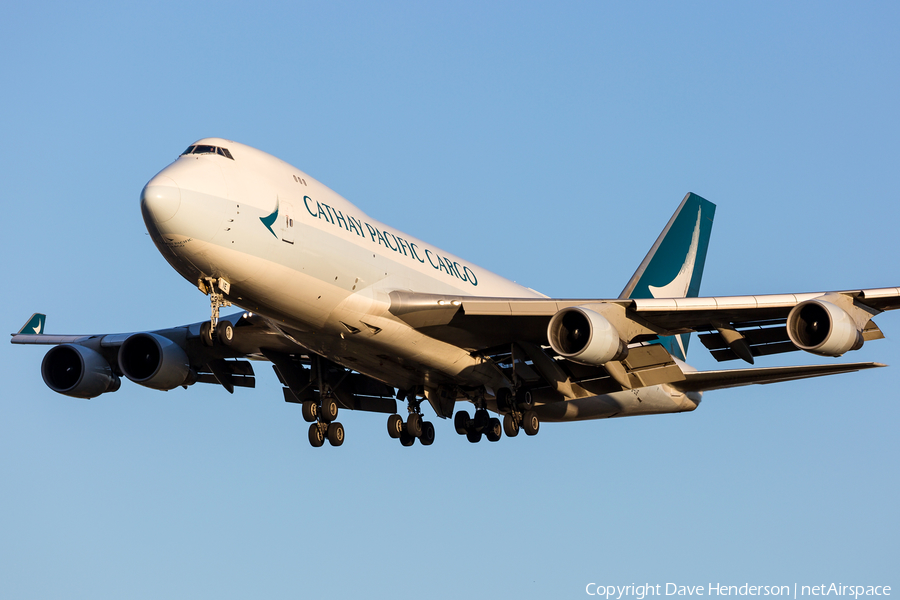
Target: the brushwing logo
(270, 220)
(678, 287)
(37, 328)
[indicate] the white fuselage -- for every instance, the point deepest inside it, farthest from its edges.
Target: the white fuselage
(297, 252)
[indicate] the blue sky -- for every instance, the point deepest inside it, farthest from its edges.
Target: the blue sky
(549, 144)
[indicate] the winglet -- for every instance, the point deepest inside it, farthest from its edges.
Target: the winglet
(35, 325)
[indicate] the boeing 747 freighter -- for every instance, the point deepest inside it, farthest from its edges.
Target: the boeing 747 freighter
(356, 315)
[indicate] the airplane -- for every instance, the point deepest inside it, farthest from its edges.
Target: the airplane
(354, 314)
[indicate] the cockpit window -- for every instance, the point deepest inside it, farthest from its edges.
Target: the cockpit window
(199, 149)
(204, 149)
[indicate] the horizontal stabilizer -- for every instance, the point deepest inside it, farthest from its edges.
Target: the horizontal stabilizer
(704, 381)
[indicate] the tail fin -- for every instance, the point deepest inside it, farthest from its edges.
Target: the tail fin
(35, 324)
(674, 266)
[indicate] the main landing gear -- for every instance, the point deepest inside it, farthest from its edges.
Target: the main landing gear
(415, 427)
(518, 415)
(321, 416)
(482, 424)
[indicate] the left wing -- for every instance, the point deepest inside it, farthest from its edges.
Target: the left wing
(85, 366)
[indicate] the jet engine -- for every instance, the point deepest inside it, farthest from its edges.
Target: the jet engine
(154, 361)
(823, 328)
(585, 336)
(78, 371)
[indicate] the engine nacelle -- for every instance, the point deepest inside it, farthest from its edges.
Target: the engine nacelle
(154, 361)
(823, 328)
(585, 336)
(78, 371)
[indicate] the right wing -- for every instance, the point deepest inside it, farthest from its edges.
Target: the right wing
(730, 326)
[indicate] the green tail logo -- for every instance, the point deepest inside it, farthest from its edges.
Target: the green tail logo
(674, 266)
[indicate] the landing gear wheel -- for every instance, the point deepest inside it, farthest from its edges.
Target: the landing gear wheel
(206, 333)
(395, 426)
(482, 418)
(510, 426)
(461, 422)
(473, 436)
(524, 400)
(504, 399)
(310, 411)
(414, 425)
(316, 436)
(427, 437)
(531, 423)
(225, 333)
(406, 439)
(329, 410)
(494, 430)
(335, 434)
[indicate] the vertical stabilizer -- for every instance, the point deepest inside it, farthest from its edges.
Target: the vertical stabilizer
(674, 266)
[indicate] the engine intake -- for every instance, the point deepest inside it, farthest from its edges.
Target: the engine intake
(823, 328)
(154, 361)
(585, 336)
(78, 371)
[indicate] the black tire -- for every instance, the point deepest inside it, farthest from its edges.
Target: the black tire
(482, 418)
(427, 437)
(225, 333)
(316, 436)
(473, 436)
(335, 434)
(395, 426)
(310, 411)
(329, 410)
(406, 439)
(461, 422)
(530, 423)
(414, 424)
(494, 430)
(524, 400)
(510, 426)
(504, 399)
(206, 333)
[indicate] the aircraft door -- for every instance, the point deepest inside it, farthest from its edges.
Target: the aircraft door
(287, 221)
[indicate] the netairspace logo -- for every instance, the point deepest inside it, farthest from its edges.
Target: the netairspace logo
(640, 592)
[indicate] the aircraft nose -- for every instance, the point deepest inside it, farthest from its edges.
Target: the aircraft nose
(161, 198)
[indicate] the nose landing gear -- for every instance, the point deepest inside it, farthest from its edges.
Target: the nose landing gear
(213, 329)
